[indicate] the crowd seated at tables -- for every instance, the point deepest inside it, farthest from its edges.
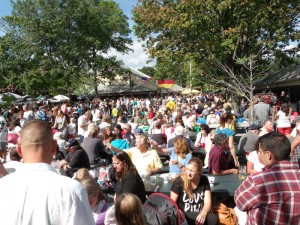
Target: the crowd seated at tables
(152, 135)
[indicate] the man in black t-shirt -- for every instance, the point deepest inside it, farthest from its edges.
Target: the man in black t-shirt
(76, 158)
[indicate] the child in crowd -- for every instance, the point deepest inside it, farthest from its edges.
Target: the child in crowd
(72, 128)
(128, 210)
(97, 199)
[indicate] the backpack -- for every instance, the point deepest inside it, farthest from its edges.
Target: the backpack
(160, 209)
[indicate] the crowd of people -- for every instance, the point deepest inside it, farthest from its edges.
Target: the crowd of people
(133, 134)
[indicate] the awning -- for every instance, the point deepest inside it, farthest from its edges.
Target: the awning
(285, 78)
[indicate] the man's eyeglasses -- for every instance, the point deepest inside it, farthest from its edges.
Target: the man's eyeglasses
(258, 152)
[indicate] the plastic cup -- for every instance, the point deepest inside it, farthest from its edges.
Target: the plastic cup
(153, 180)
(166, 179)
(242, 172)
(211, 181)
(96, 173)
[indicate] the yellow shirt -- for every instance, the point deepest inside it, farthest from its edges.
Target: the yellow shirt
(114, 112)
(144, 161)
(171, 105)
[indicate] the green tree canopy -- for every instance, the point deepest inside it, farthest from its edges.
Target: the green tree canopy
(216, 35)
(49, 46)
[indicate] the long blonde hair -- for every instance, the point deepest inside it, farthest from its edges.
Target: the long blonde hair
(225, 117)
(106, 136)
(187, 185)
(82, 174)
(181, 146)
(128, 210)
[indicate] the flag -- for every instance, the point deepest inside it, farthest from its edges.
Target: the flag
(139, 76)
(165, 83)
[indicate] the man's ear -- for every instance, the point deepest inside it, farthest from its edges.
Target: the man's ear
(18, 147)
(19, 150)
(269, 155)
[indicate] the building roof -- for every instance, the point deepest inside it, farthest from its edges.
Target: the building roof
(287, 77)
(122, 89)
(176, 87)
(138, 73)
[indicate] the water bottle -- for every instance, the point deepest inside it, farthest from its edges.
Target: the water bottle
(102, 175)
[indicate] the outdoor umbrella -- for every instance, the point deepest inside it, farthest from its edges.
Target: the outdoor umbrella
(40, 98)
(15, 96)
(61, 98)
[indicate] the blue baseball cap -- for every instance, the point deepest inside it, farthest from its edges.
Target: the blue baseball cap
(71, 142)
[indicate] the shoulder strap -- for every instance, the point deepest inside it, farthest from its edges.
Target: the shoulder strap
(101, 217)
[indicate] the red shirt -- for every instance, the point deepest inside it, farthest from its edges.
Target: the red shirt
(151, 115)
(217, 160)
(271, 196)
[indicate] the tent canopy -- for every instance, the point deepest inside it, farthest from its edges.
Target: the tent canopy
(122, 89)
(176, 87)
(188, 91)
(15, 96)
(61, 98)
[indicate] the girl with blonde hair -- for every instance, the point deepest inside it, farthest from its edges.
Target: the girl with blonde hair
(179, 155)
(107, 136)
(128, 210)
(82, 174)
(97, 199)
(191, 191)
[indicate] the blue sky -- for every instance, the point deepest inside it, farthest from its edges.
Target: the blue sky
(136, 59)
(5, 8)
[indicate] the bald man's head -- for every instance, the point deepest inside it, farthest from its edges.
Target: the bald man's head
(36, 131)
(36, 140)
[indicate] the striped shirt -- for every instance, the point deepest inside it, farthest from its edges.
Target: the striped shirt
(271, 196)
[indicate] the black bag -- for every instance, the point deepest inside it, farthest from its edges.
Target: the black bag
(112, 177)
(160, 209)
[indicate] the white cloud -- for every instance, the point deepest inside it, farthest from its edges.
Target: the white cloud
(137, 58)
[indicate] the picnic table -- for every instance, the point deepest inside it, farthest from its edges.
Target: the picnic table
(225, 185)
(242, 127)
